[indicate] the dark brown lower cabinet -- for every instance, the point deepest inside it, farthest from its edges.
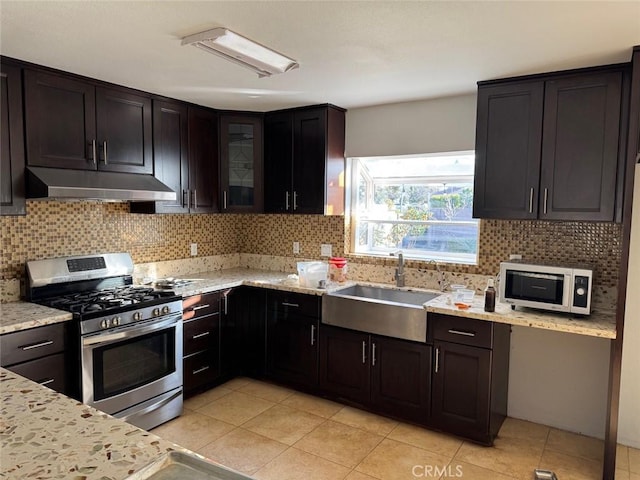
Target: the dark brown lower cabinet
(384, 374)
(292, 338)
(470, 376)
(201, 342)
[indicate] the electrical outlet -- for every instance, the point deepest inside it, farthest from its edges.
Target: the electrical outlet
(515, 256)
(296, 248)
(194, 249)
(325, 250)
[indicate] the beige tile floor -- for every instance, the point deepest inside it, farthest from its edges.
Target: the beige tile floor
(270, 432)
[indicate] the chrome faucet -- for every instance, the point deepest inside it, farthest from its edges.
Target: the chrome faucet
(442, 281)
(400, 270)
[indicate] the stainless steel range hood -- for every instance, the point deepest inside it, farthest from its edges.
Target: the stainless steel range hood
(62, 184)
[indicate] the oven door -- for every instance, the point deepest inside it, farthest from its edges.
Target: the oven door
(130, 365)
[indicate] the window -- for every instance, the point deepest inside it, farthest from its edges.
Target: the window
(420, 204)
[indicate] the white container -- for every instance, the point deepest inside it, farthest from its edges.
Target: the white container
(463, 295)
(312, 274)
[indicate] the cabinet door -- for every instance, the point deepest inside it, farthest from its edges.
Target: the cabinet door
(203, 160)
(580, 147)
(171, 153)
(401, 378)
(12, 201)
(245, 337)
(292, 348)
(461, 390)
(344, 363)
(241, 163)
(309, 159)
(508, 139)
(60, 119)
(278, 159)
(124, 131)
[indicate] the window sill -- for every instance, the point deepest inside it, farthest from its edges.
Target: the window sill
(410, 261)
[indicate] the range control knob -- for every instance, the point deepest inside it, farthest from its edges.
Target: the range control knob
(156, 312)
(165, 310)
(104, 323)
(137, 316)
(115, 321)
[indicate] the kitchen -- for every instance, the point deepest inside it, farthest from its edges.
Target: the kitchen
(53, 228)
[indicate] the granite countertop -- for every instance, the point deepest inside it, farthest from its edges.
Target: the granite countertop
(16, 316)
(598, 324)
(45, 435)
(22, 315)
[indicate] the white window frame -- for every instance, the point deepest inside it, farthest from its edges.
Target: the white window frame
(355, 171)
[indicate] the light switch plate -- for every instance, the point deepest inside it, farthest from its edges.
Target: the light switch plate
(325, 250)
(194, 249)
(296, 248)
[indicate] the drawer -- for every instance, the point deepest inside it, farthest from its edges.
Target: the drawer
(201, 305)
(18, 347)
(48, 371)
(200, 369)
(462, 330)
(201, 334)
(298, 303)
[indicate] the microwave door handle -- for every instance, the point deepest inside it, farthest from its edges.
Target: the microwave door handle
(567, 293)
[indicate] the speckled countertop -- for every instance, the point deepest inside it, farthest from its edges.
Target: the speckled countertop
(17, 316)
(22, 315)
(598, 324)
(45, 435)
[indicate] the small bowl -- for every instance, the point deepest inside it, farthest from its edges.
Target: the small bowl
(463, 295)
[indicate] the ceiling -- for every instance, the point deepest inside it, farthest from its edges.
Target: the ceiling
(351, 53)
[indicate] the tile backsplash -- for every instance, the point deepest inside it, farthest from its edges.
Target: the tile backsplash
(52, 229)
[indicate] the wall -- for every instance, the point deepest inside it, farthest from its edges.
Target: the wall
(629, 418)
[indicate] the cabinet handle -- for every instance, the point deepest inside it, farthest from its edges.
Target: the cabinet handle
(313, 335)
(224, 200)
(373, 354)
(531, 200)
(546, 195)
(37, 345)
(286, 304)
(200, 335)
(364, 352)
(295, 200)
(286, 201)
(195, 198)
(185, 193)
(94, 151)
(104, 151)
(226, 302)
(200, 307)
(437, 359)
(200, 370)
(461, 332)
(188, 199)
(47, 381)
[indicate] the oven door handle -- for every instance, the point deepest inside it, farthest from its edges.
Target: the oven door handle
(128, 332)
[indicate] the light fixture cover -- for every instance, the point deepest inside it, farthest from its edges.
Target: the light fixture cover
(241, 50)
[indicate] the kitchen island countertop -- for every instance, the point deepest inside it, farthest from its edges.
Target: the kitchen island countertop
(16, 316)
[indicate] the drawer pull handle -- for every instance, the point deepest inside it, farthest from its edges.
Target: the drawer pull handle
(47, 382)
(200, 370)
(287, 304)
(437, 359)
(37, 345)
(460, 332)
(200, 335)
(200, 307)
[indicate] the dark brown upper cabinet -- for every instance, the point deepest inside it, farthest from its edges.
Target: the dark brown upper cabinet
(548, 148)
(304, 160)
(202, 196)
(241, 162)
(72, 123)
(12, 195)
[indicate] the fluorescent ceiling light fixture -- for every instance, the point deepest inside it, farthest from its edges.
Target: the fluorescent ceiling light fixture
(238, 49)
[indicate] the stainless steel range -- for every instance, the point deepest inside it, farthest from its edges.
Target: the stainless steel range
(130, 337)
